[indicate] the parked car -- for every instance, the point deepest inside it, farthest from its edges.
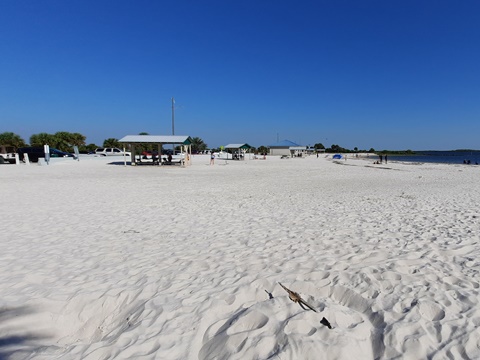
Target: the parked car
(111, 152)
(7, 154)
(35, 153)
(147, 154)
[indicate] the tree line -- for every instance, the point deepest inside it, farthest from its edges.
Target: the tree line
(61, 140)
(338, 149)
(64, 141)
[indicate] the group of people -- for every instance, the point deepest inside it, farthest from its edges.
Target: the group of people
(235, 157)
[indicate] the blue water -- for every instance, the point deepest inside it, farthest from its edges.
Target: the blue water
(441, 157)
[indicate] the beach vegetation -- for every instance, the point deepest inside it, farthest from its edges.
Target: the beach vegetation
(319, 146)
(89, 148)
(64, 140)
(198, 145)
(11, 139)
(41, 139)
(61, 140)
(112, 143)
(262, 150)
(143, 147)
(397, 152)
(78, 139)
(337, 149)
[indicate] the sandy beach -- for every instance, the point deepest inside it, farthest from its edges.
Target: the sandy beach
(102, 261)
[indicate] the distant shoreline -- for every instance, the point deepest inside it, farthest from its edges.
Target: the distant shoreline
(440, 157)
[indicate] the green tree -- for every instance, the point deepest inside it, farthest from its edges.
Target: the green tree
(145, 146)
(336, 149)
(42, 139)
(62, 141)
(87, 148)
(198, 145)
(11, 139)
(112, 142)
(319, 146)
(262, 150)
(78, 139)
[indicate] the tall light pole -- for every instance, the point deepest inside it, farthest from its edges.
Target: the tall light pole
(173, 116)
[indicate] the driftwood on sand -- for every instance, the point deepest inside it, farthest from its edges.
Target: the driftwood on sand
(296, 298)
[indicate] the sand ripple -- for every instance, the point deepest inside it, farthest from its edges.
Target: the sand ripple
(185, 263)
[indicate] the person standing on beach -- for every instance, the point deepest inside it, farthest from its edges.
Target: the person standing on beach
(385, 158)
(212, 159)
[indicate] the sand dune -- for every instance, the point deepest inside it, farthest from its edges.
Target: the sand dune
(103, 261)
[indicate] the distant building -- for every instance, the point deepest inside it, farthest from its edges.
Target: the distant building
(287, 148)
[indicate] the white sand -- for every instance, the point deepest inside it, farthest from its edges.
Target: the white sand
(109, 262)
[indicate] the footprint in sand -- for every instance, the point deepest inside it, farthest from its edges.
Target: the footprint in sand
(299, 327)
(236, 334)
(431, 311)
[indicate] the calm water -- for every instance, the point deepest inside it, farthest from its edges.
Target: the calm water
(443, 157)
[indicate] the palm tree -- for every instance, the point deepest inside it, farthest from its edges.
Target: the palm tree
(198, 145)
(262, 150)
(62, 140)
(11, 139)
(144, 146)
(90, 147)
(111, 142)
(78, 139)
(42, 139)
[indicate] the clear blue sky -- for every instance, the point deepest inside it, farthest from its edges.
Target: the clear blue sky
(382, 74)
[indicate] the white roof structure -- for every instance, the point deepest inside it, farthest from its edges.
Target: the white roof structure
(238, 146)
(158, 139)
(137, 140)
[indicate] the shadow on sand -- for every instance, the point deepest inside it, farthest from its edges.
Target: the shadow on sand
(119, 163)
(17, 343)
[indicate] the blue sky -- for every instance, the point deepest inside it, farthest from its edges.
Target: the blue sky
(382, 74)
